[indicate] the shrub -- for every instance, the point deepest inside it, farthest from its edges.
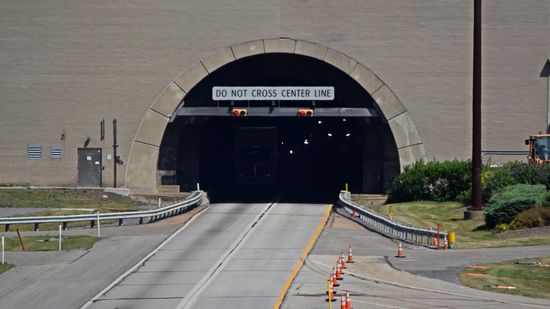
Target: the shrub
(505, 205)
(527, 219)
(530, 173)
(451, 180)
(498, 178)
(502, 227)
(438, 181)
(545, 215)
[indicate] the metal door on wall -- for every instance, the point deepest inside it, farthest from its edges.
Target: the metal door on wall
(89, 167)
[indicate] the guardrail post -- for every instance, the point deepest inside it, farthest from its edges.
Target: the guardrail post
(36, 227)
(120, 222)
(7, 227)
(98, 226)
(65, 225)
(59, 248)
(141, 220)
(92, 224)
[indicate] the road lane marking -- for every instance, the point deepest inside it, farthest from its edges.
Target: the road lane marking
(302, 258)
(142, 261)
(191, 297)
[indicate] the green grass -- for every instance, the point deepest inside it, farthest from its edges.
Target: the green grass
(531, 281)
(5, 267)
(60, 200)
(50, 243)
(54, 226)
(66, 198)
(469, 233)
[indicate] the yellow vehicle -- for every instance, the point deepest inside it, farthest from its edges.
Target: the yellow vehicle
(539, 148)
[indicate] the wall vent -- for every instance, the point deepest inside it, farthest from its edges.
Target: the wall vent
(56, 152)
(34, 152)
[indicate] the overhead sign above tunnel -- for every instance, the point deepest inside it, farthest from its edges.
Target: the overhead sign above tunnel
(284, 93)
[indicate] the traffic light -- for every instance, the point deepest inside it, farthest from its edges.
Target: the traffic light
(238, 112)
(305, 112)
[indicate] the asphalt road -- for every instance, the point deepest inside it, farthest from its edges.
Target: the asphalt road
(379, 280)
(231, 256)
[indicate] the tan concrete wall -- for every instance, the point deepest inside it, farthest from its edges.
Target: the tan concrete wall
(64, 66)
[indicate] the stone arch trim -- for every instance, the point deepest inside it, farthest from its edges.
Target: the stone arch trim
(142, 162)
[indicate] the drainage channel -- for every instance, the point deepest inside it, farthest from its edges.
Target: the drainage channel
(191, 297)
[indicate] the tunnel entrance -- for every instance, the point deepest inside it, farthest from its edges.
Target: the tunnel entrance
(270, 150)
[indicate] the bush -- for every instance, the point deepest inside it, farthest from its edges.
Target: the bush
(498, 178)
(505, 205)
(451, 180)
(533, 217)
(436, 181)
(530, 173)
(545, 215)
(527, 219)
(499, 228)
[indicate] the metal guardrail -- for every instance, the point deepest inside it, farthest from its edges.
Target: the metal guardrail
(392, 228)
(177, 208)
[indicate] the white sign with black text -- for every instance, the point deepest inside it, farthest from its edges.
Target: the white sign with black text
(290, 93)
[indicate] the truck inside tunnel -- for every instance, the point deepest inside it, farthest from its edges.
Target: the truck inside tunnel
(265, 150)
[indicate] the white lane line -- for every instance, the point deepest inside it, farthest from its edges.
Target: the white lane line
(138, 264)
(190, 299)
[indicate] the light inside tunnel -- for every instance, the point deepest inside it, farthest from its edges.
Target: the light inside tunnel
(294, 158)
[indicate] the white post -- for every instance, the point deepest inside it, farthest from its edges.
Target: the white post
(3, 261)
(98, 227)
(59, 247)
(160, 202)
(198, 186)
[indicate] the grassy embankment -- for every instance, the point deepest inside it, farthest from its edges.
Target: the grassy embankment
(5, 267)
(531, 281)
(64, 202)
(469, 234)
(50, 243)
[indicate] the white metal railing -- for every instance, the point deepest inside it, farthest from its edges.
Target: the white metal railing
(392, 228)
(176, 208)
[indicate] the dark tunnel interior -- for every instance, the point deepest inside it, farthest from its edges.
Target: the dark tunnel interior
(292, 159)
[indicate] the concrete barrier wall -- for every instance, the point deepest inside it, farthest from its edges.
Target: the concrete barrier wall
(66, 66)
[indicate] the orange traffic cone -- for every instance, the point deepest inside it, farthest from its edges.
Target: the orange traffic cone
(350, 256)
(342, 262)
(399, 251)
(348, 300)
(330, 292)
(338, 273)
(340, 265)
(334, 279)
(343, 302)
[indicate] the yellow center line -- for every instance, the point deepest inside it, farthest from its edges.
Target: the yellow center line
(302, 259)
